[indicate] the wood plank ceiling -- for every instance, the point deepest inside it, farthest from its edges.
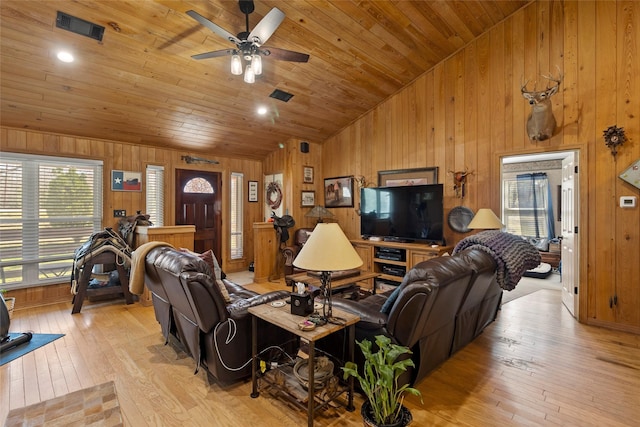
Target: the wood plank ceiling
(140, 84)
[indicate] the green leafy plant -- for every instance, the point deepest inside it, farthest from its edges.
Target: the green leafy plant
(379, 378)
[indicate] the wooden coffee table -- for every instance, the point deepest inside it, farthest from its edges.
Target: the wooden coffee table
(337, 285)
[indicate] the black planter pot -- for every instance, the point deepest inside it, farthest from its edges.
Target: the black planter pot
(367, 417)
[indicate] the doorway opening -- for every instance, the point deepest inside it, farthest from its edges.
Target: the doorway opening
(540, 201)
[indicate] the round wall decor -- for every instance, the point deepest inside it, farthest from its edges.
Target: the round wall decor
(459, 218)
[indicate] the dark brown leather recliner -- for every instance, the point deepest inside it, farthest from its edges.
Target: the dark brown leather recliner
(290, 252)
(427, 311)
(481, 303)
(191, 308)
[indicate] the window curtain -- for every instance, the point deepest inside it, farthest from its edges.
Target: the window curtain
(535, 205)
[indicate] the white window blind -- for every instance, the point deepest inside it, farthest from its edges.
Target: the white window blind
(48, 207)
(155, 194)
(521, 217)
(237, 180)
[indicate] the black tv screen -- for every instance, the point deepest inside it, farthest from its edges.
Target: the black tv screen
(406, 214)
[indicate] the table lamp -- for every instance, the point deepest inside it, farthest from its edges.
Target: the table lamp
(319, 212)
(485, 219)
(327, 250)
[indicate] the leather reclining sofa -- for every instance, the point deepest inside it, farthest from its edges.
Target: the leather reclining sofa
(191, 308)
(441, 305)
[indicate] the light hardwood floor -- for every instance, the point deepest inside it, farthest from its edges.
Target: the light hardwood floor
(534, 365)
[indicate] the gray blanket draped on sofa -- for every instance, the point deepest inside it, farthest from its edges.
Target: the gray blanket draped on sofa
(513, 254)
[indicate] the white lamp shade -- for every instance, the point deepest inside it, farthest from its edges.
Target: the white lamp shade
(485, 219)
(256, 64)
(249, 77)
(327, 249)
(236, 65)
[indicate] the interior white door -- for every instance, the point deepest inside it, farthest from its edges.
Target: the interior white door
(569, 221)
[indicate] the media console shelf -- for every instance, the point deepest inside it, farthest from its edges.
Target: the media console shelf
(392, 260)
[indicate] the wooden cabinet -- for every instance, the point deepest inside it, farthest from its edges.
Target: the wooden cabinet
(178, 236)
(551, 258)
(392, 260)
(265, 252)
(364, 251)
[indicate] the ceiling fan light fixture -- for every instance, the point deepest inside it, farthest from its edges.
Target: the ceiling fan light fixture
(236, 65)
(256, 64)
(249, 76)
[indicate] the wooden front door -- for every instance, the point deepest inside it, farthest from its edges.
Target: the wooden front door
(199, 203)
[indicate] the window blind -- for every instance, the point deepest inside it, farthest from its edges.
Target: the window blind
(236, 215)
(48, 207)
(155, 194)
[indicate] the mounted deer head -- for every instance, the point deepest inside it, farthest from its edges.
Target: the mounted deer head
(541, 124)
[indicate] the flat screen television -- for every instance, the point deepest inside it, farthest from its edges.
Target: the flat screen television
(403, 214)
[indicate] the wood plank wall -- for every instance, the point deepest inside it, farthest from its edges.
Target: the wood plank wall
(290, 161)
(467, 112)
(128, 157)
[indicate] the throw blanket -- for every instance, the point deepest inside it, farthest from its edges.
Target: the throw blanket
(136, 279)
(513, 254)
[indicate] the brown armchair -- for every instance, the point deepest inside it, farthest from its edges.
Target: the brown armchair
(300, 237)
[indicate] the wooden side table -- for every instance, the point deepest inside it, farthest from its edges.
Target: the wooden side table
(282, 317)
(83, 281)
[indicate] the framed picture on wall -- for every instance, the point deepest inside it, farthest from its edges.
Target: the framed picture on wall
(308, 198)
(401, 177)
(307, 173)
(338, 192)
(126, 181)
(253, 191)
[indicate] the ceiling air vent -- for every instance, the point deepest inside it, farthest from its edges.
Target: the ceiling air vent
(281, 95)
(79, 26)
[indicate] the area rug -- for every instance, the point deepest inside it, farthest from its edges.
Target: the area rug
(529, 285)
(37, 341)
(95, 406)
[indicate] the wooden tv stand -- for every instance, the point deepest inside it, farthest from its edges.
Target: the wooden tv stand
(391, 260)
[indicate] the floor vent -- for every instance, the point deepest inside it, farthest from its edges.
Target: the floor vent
(281, 95)
(79, 26)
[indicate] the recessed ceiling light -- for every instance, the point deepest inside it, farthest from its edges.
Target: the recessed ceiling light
(262, 110)
(65, 56)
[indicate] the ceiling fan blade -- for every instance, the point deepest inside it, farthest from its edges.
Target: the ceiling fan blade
(213, 27)
(284, 55)
(214, 54)
(266, 27)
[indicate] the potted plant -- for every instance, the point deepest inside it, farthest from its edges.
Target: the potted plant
(379, 382)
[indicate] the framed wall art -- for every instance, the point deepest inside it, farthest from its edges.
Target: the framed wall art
(401, 177)
(126, 181)
(307, 174)
(253, 191)
(338, 192)
(308, 198)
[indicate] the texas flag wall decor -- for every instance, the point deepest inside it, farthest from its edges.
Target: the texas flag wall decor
(126, 181)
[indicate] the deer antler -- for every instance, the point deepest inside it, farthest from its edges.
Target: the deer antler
(553, 79)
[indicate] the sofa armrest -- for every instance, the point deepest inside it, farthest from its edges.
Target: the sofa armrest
(238, 309)
(370, 316)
